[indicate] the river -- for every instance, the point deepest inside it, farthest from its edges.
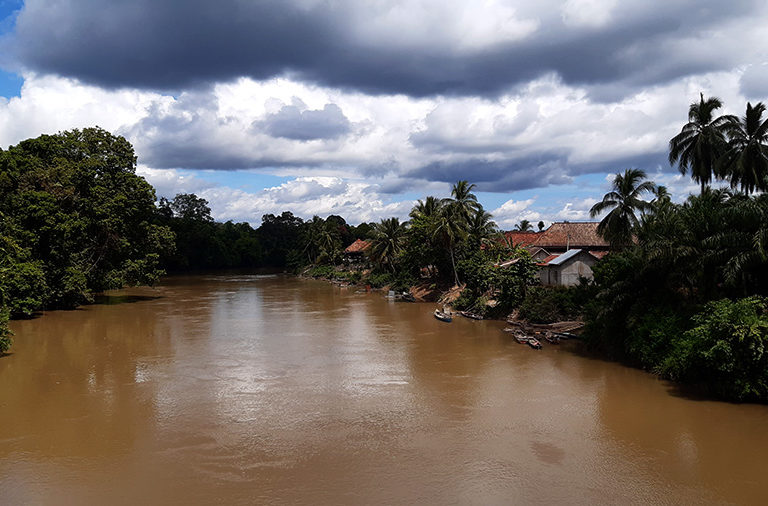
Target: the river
(277, 390)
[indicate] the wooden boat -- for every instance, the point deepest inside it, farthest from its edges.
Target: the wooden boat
(520, 337)
(551, 337)
(407, 297)
(534, 343)
(474, 316)
(443, 317)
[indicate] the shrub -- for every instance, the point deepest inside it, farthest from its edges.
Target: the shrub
(726, 350)
(5, 332)
(548, 304)
(380, 279)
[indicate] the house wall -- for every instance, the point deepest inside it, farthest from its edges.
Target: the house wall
(568, 274)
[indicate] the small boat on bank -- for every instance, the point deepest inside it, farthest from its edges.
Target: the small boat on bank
(473, 316)
(520, 336)
(443, 316)
(551, 337)
(534, 343)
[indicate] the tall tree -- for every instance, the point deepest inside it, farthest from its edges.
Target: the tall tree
(463, 203)
(701, 141)
(452, 224)
(429, 207)
(387, 242)
(745, 162)
(624, 200)
(481, 227)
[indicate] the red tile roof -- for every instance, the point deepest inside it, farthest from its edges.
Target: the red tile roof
(521, 238)
(571, 235)
(358, 246)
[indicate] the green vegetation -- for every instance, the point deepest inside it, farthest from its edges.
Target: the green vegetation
(684, 297)
(76, 219)
(549, 304)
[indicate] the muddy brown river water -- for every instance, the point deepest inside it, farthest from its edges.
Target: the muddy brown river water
(276, 390)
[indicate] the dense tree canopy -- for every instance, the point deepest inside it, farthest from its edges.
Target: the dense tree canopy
(75, 219)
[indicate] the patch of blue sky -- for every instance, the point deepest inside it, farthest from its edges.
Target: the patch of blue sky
(10, 84)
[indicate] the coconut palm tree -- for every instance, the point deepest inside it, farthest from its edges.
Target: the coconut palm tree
(387, 242)
(481, 226)
(463, 203)
(624, 200)
(745, 162)
(701, 141)
(429, 207)
(453, 220)
(524, 226)
(450, 230)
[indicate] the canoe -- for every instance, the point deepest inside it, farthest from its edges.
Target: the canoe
(443, 317)
(467, 314)
(520, 337)
(534, 343)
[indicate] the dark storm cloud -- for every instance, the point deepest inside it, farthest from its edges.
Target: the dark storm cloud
(536, 170)
(292, 123)
(174, 44)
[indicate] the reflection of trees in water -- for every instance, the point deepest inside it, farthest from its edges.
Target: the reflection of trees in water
(74, 385)
(715, 447)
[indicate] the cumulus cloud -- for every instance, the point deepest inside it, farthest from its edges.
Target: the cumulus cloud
(304, 196)
(419, 48)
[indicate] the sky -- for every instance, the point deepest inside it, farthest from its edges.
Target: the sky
(361, 107)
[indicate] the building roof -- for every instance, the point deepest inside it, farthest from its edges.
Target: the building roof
(358, 246)
(569, 234)
(561, 259)
(548, 259)
(598, 254)
(521, 238)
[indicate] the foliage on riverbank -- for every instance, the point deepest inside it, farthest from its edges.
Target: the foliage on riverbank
(685, 296)
(665, 303)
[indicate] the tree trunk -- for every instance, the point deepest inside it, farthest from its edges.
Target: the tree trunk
(453, 264)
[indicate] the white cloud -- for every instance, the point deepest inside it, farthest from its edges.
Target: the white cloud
(511, 212)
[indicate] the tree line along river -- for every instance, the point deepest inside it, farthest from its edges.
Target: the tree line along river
(272, 389)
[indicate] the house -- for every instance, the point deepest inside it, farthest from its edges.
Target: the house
(564, 252)
(355, 252)
(566, 269)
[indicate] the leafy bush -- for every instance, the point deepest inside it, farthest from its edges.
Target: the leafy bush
(649, 341)
(322, 271)
(727, 350)
(5, 332)
(380, 279)
(548, 304)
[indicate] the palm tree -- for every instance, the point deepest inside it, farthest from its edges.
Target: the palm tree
(701, 141)
(541, 226)
(387, 242)
(453, 221)
(450, 231)
(463, 203)
(524, 226)
(481, 226)
(430, 207)
(745, 163)
(623, 200)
